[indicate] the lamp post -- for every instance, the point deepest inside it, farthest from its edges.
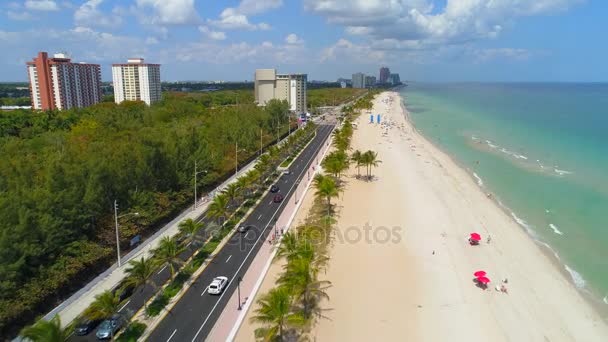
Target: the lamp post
(236, 158)
(296, 191)
(116, 217)
(238, 288)
(195, 174)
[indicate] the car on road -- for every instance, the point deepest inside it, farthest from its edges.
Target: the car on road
(274, 189)
(86, 326)
(123, 292)
(217, 285)
(286, 172)
(277, 198)
(244, 228)
(108, 328)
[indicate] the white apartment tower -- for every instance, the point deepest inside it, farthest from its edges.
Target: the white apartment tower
(290, 87)
(136, 81)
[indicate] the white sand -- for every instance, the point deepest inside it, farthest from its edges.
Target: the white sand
(400, 291)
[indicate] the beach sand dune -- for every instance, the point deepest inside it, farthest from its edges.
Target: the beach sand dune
(402, 268)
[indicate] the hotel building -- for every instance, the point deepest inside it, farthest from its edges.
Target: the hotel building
(136, 81)
(57, 83)
(269, 85)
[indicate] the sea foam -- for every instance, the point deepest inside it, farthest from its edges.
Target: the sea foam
(555, 229)
(577, 278)
(479, 181)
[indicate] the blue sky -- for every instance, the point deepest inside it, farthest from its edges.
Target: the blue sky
(425, 40)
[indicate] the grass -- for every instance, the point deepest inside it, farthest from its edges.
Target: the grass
(132, 332)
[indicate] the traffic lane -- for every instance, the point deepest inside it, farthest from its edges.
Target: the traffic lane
(181, 328)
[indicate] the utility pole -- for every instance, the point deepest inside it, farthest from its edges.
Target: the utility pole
(195, 173)
(117, 238)
(261, 141)
(236, 158)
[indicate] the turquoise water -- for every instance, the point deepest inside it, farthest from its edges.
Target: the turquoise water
(542, 149)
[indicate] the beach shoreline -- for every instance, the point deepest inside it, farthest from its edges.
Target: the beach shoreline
(594, 299)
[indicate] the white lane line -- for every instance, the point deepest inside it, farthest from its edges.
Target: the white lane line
(189, 243)
(270, 202)
(247, 233)
(170, 337)
(205, 290)
(259, 217)
(129, 301)
(228, 258)
(162, 269)
(244, 260)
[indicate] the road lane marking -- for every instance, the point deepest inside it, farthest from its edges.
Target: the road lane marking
(162, 269)
(246, 257)
(205, 290)
(260, 217)
(129, 301)
(228, 258)
(247, 233)
(170, 337)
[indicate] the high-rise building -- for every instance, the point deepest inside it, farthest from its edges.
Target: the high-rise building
(370, 81)
(384, 75)
(57, 83)
(269, 85)
(394, 79)
(136, 81)
(358, 80)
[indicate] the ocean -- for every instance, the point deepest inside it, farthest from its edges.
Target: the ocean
(542, 150)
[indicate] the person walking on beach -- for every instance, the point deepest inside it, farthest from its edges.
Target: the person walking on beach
(489, 239)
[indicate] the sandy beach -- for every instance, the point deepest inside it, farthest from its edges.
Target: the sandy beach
(402, 268)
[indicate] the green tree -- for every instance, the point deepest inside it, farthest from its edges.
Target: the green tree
(326, 188)
(218, 208)
(46, 331)
(105, 305)
(301, 277)
(357, 157)
(275, 313)
(370, 159)
(190, 229)
(139, 274)
(232, 191)
(167, 253)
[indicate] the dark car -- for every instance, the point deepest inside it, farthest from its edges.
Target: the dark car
(124, 292)
(108, 328)
(244, 228)
(86, 326)
(278, 198)
(274, 188)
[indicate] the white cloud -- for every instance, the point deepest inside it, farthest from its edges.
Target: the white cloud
(214, 35)
(152, 41)
(21, 16)
(41, 5)
(231, 19)
(418, 21)
(252, 7)
(293, 39)
(173, 12)
(344, 50)
(89, 15)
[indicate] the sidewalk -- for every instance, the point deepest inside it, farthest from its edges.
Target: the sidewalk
(231, 318)
(79, 301)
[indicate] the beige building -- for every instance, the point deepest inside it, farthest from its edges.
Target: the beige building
(136, 81)
(269, 85)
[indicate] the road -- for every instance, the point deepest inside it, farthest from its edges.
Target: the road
(193, 317)
(136, 301)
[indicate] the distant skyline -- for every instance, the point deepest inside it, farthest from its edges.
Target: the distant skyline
(423, 40)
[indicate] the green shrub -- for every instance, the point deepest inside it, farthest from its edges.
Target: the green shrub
(132, 332)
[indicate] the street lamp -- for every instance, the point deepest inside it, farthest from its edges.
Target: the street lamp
(296, 191)
(116, 217)
(195, 174)
(238, 288)
(236, 157)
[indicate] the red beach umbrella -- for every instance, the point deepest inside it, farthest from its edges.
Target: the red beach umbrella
(479, 273)
(483, 280)
(475, 236)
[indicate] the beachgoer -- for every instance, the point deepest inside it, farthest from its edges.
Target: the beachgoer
(489, 239)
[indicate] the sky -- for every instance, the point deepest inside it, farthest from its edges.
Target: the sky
(423, 40)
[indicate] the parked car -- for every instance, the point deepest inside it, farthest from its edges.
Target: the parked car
(274, 189)
(243, 228)
(286, 172)
(124, 292)
(217, 285)
(108, 328)
(278, 198)
(86, 326)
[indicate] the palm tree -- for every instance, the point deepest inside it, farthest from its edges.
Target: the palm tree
(46, 331)
(327, 188)
(301, 277)
(232, 191)
(275, 313)
(370, 159)
(357, 157)
(190, 228)
(167, 253)
(139, 274)
(105, 305)
(289, 246)
(218, 207)
(253, 176)
(263, 163)
(244, 183)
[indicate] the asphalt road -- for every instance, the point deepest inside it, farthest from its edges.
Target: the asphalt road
(264, 211)
(193, 317)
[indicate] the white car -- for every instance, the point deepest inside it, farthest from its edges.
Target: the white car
(217, 285)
